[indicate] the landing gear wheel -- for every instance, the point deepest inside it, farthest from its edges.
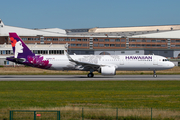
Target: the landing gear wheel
(154, 75)
(90, 75)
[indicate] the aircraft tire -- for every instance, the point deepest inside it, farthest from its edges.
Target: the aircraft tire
(90, 75)
(155, 76)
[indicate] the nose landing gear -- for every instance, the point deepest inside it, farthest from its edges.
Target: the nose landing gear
(154, 74)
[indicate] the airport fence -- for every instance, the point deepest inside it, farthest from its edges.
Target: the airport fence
(34, 114)
(74, 113)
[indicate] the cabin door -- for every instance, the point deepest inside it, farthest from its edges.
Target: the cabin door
(121, 60)
(155, 61)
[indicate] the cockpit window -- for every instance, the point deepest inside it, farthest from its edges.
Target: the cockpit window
(165, 60)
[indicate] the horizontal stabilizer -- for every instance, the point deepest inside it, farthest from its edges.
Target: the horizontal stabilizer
(16, 60)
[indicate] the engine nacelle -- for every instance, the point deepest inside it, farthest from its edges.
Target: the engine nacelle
(107, 70)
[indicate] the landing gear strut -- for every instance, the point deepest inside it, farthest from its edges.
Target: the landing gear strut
(90, 75)
(154, 74)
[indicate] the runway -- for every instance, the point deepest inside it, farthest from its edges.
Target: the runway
(84, 78)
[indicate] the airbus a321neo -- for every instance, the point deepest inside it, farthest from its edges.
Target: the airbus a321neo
(104, 64)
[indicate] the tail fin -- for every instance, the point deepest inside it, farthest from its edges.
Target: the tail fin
(20, 50)
(23, 55)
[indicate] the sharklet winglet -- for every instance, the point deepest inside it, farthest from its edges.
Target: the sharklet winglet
(68, 56)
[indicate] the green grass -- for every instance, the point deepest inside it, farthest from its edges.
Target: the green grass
(99, 98)
(121, 94)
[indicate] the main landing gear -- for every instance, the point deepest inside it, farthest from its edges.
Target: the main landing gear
(154, 74)
(90, 75)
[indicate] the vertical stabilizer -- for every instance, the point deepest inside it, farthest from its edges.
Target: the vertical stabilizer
(20, 50)
(23, 55)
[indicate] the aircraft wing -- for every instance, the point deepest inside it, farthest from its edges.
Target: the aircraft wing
(85, 65)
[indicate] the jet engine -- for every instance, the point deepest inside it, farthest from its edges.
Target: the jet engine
(107, 70)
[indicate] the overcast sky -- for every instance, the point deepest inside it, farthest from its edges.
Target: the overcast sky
(68, 14)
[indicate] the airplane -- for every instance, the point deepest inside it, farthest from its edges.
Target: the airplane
(104, 64)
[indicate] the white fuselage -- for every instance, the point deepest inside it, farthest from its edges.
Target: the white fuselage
(121, 62)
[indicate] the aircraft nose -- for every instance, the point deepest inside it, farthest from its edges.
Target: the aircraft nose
(171, 64)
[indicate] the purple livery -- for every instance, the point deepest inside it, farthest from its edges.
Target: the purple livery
(23, 55)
